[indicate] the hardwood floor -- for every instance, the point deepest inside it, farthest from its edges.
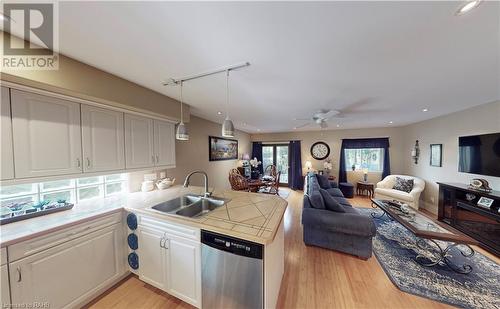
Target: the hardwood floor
(314, 278)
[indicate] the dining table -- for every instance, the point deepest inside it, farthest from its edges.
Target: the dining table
(255, 184)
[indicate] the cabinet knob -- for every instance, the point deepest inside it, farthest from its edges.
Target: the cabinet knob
(78, 163)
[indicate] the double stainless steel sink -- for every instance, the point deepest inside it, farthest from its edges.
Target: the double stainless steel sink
(190, 205)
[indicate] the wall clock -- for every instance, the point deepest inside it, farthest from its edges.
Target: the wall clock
(320, 150)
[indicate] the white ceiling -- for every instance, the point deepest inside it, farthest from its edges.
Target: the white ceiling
(376, 61)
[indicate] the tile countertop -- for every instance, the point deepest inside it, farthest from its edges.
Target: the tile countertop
(250, 216)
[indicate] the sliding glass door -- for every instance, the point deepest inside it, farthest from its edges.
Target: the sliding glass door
(276, 155)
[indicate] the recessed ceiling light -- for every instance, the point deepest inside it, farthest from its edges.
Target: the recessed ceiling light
(295, 128)
(425, 110)
(219, 113)
(258, 130)
(338, 125)
(467, 7)
(390, 122)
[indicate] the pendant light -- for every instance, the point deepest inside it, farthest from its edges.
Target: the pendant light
(181, 133)
(227, 126)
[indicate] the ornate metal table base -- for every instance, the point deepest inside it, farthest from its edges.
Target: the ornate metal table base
(442, 256)
(378, 215)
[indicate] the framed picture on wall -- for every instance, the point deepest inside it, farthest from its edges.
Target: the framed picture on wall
(220, 148)
(436, 155)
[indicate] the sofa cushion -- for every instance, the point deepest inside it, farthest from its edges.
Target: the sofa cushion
(405, 185)
(323, 181)
(342, 201)
(351, 210)
(394, 194)
(316, 200)
(335, 192)
(330, 202)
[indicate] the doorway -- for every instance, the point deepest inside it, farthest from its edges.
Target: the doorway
(276, 154)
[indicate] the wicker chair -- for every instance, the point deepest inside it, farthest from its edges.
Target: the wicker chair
(238, 182)
(234, 171)
(271, 171)
(274, 187)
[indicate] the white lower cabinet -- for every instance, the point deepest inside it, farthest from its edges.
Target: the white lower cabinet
(183, 269)
(152, 257)
(170, 259)
(69, 274)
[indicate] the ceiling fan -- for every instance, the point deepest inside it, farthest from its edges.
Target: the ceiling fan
(320, 118)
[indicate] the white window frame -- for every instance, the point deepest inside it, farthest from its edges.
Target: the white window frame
(74, 188)
(361, 165)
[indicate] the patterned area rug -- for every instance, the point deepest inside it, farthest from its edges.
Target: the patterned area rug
(395, 249)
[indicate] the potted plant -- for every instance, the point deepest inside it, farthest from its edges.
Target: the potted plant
(254, 163)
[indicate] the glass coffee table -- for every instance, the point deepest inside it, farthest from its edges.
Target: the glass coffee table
(431, 237)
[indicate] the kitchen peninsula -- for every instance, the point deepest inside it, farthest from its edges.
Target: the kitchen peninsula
(169, 246)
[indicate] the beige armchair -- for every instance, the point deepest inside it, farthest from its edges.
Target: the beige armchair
(385, 190)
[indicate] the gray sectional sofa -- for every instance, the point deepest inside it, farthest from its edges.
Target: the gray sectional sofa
(331, 222)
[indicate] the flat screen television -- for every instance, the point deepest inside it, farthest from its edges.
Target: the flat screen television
(479, 154)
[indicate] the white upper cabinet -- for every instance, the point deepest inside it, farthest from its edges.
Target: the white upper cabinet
(7, 157)
(139, 149)
(102, 139)
(164, 146)
(46, 135)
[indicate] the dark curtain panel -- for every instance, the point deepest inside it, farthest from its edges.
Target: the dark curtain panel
(257, 153)
(295, 178)
(360, 143)
(342, 171)
(387, 162)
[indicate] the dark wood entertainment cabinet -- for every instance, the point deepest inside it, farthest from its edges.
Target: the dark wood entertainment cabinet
(458, 208)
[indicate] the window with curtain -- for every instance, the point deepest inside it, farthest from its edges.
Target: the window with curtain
(369, 158)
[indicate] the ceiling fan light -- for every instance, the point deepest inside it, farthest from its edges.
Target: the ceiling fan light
(228, 128)
(182, 133)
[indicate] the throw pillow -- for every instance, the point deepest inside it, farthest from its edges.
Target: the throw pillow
(405, 185)
(330, 202)
(323, 181)
(316, 200)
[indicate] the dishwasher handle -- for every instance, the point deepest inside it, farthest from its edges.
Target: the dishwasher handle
(232, 245)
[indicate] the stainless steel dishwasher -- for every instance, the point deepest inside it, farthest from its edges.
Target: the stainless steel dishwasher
(232, 272)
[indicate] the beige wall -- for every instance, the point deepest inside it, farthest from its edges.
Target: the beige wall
(193, 155)
(446, 130)
(334, 139)
(83, 81)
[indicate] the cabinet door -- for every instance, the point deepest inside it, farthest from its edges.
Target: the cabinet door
(183, 269)
(151, 257)
(139, 150)
(102, 139)
(164, 134)
(46, 134)
(7, 157)
(69, 274)
(5, 296)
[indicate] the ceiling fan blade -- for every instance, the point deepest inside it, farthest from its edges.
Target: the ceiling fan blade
(331, 113)
(302, 126)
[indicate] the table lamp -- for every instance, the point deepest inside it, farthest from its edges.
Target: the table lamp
(365, 174)
(308, 165)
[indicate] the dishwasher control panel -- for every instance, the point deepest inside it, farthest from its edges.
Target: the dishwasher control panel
(231, 244)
